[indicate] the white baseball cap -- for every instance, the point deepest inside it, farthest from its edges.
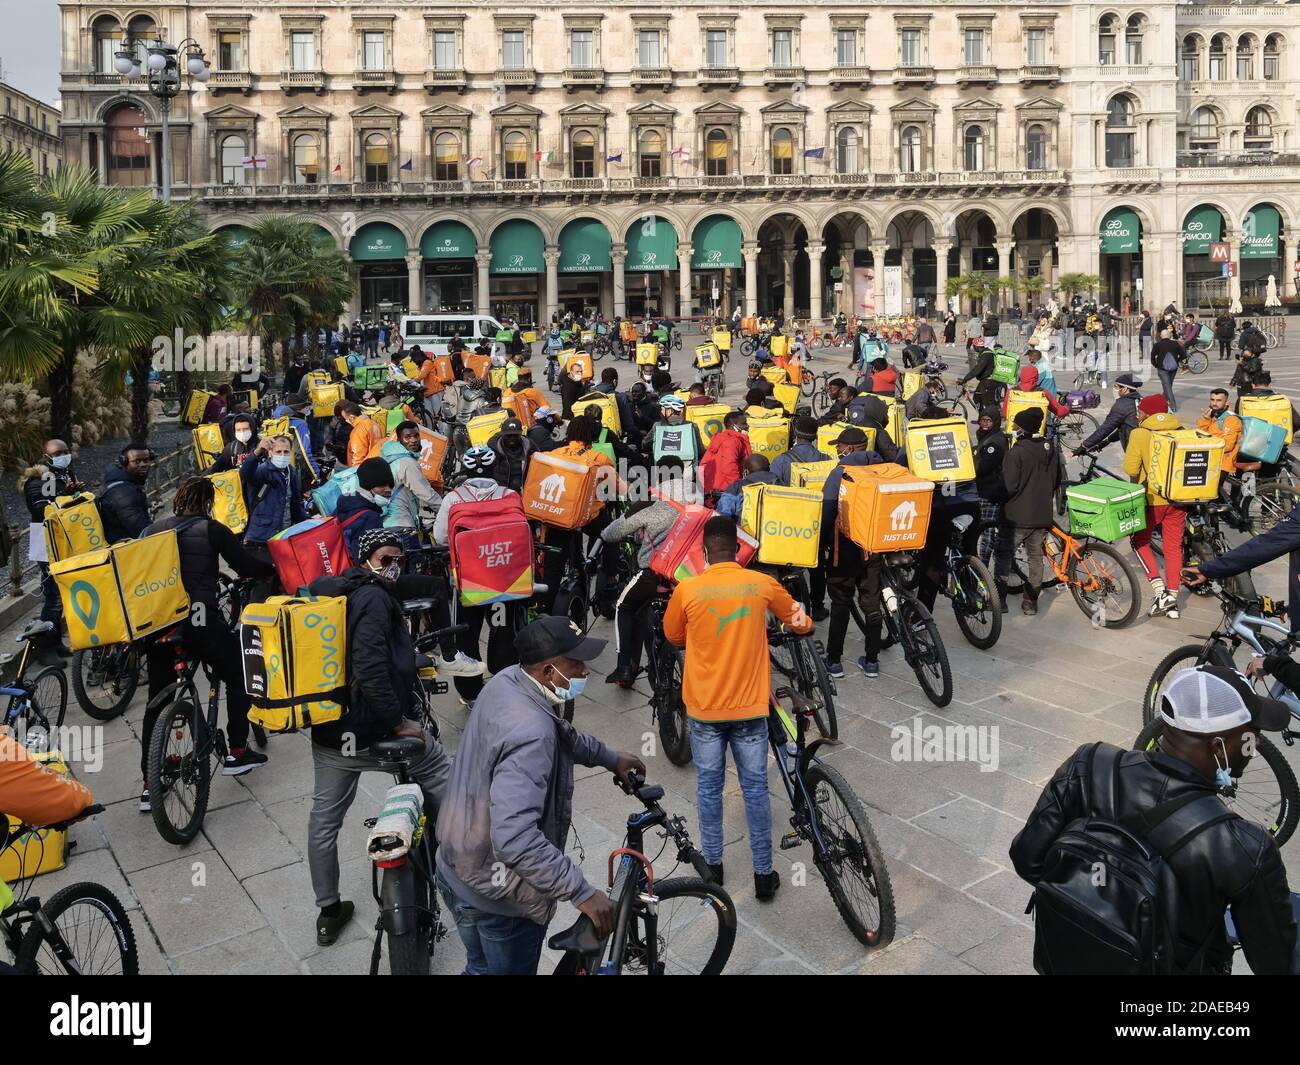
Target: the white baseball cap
(1210, 699)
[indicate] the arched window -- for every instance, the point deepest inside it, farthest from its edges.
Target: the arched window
(1272, 57)
(1189, 66)
(233, 152)
(1107, 37)
(1203, 133)
(650, 151)
(1219, 57)
(717, 153)
(1121, 132)
(972, 148)
(129, 155)
(1036, 148)
(305, 149)
(376, 152)
(846, 151)
(1134, 30)
(909, 150)
(584, 154)
(446, 157)
(782, 151)
(108, 37)
(514, 156)
(1259, 130)
(1246, 45)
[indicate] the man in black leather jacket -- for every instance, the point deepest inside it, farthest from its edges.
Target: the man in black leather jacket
(1121, 420)
(1208, 714)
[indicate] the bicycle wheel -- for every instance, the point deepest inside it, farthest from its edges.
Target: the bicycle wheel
(179, 779)
(853, 865)
(1241, 585)
(1197, 361)
(695, 929)
(924, 650)
(958, 408)
(975, 603)
(104, 679)
(807, 386)
(1104, 584)
(45, 710)
(1185, 657)
(1266, 793)
(670, 710)
(1075, 428)
(95, 928)
(410, 953)
(1272, 501)
(815, 684)
(571, 603)
(677, 342)
(821, 403)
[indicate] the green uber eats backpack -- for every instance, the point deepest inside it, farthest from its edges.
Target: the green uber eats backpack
(1006, 367)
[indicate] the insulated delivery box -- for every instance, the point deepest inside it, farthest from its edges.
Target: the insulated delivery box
(39, 850)
(1006, 366)
(342, 482)
(938, 449)
(123, 592)
(323, 399)
(1106, 508)
(681, 554)
(780, 345)
(811, 474)
(722, 339)
(1276, 410)
(911, 383)
(1183, 465)
(788, 395)
(484, 427)
(370, 376)
(73, 526)
(1018, 401)
(229, 506)
(707, 356)
(561, 492)
(606, 404)
(827, 434)
(1261, 440)
(769, 436)
(208, 443)
(647, 354)
(785, 521)
(578, 362)
(295, 661)
(708, 418)
(196, 403)
(491, 550)
(884, 507)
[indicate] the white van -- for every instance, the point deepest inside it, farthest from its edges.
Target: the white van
(432, 332)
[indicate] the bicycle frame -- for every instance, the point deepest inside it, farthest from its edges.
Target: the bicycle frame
(1246, 627)
(784, 728)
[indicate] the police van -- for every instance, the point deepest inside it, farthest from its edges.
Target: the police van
(433, 332)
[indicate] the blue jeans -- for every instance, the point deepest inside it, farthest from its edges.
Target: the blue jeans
(1167, 385)
(494, 945)
(748, 742)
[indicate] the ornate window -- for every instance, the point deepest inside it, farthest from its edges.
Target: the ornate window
(1189, 60)
(1036, 147)
(107, 34)
(514, 155)
(846, 151)
(304, 149)
(717, 153)
(1121, 132)
(1107, 38)
(1219, 57)
(650, 153)
(1259, 130)
(583, 154)
(973, 148)
(129, 155)
(1246, 45)
(377, 157)
(1203, 133)
(1134, 31)
(1272, 57)
(446, 157)
(909, 150)
(233, 151)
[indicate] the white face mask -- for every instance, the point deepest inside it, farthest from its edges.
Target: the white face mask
(243, 435)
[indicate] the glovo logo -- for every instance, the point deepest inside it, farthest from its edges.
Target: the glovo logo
(330, 663)
(146, 587)
(774, 527)
(85, 604)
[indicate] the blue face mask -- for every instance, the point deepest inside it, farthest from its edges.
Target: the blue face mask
(281, 462)
(61, 462)
(576, 686)
(1222, 773)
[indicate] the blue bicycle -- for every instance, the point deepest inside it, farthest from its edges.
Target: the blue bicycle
(36, 707)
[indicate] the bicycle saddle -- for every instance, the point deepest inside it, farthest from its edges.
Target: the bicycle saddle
(35, 628)
(414, 606)
(580, 936)
(397, 749)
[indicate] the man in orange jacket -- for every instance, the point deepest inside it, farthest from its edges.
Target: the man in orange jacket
(720, 617)
(364, 434)
(1218, 420)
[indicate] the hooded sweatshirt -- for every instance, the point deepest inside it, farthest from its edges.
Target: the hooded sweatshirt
(1029, 383)
(410, 487)
(1139, 447)
(650, 521)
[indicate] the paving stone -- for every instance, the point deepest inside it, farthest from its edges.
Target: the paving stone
(186, 916)
(252, 954)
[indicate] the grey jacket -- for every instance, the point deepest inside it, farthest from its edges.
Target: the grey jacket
(509, 803)
(652, 522)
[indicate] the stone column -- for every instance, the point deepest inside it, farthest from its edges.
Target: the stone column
(618, 255)
(414, 283)
(878, 249)
(552, 257)
(685, 249)
(787, 280)
(483, 295)
(750, 251)
(1005, 248)
(965, 257)
(846, 279)
(941, 251)
(667, 294)
(908, 290)
(815, 252)
(1234, 282)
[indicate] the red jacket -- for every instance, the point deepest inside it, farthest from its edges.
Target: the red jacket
(884, 382)
(1029, 383)
(724, 460)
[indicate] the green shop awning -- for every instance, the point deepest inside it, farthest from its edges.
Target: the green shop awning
(651, 245)
(716, 245)
(1259, 233)
(1121, 232)
(517, 247)
(377, 240)
(1203, 227)
(237, 235)
(325, 238)
(584, 247)
(448, 240)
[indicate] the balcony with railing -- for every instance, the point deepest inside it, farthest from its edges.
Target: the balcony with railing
(435, 79)
(914, 75)
(1238, 166)
(778, 76)
(516, 78)
(230, 81)
(1129, 175)
(299, 80)
(1047, 73)
(652, 78)
(371, 78)
(977, 74)
(113, 80)
(850, 75)
(718, 76)
(584, 78)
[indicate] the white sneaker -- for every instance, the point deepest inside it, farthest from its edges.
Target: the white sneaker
(1171, 609)
(1159, 605)
(460, 666)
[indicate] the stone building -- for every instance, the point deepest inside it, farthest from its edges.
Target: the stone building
(28, 125)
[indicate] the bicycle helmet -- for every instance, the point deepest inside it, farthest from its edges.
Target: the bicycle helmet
(478, 460)
(671, 402)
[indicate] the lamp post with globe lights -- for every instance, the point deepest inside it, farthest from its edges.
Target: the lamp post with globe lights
(163, 62)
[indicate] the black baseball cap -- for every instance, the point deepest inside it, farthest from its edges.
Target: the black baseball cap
(852, 435)
(512, 427)
(556, 637)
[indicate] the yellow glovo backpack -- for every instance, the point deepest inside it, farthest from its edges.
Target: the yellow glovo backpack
(785, 521)
(195, 404)
(73, 526)
(295, 661)
(208, 443)
(229, 507)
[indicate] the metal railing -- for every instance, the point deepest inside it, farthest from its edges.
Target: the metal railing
(841, 74)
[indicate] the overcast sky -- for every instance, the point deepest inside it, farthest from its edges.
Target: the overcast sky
(29, 46)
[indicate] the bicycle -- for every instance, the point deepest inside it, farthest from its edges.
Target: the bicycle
(36, 707)
(666, 669)
(687, 923)
(799, 658)
(963, 406)
(104, 679)
(826, 813)
(910, 625)
(83, 930)
(971, 589)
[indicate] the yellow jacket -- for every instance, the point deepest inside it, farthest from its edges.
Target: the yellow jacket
(1137, 455)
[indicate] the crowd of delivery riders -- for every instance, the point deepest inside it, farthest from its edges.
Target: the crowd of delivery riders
(382, 473)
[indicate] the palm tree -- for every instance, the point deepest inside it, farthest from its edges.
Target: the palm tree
(1006, 287)
(1074, 283)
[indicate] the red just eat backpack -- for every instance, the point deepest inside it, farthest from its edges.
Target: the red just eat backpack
(491, 550)
(310, 549)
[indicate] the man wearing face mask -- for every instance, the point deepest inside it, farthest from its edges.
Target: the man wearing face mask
(41, 484)
(381, 672)
(366, 508)
(502, 867)
(1167, 797)
(242, 445)
(272, 483)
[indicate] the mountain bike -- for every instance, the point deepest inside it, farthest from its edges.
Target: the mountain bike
(964, 405)
(105, 679)
(909, 624)
(970, 587)
(82, 930)
(666, 668)
(679, 926)
(827, 814)
(799, 659)
(36, 707)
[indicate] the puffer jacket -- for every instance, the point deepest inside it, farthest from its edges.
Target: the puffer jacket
(519, 754)
(1139, 446)
(1232, 863)
(123, 505)
(1031, 472)
(32, 484)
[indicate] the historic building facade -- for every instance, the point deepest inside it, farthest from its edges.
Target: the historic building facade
(30, 126)
(682, 156)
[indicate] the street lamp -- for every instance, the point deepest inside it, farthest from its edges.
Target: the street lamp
(163, 66)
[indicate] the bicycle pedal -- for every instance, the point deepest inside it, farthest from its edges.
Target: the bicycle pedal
(790, 840)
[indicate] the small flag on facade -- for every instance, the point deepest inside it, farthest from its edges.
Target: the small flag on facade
(815, 153)
(475, 160)
(254, 162)
(406, 166)
(617, 157)
(681, 153)
(544, 157)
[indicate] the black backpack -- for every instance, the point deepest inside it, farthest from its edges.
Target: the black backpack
(1107, 902)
